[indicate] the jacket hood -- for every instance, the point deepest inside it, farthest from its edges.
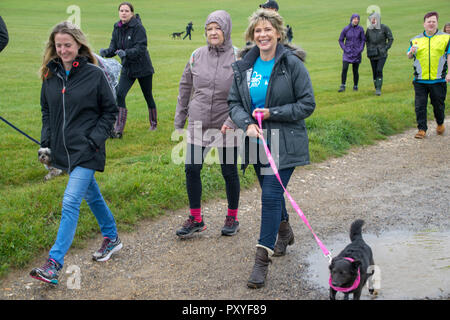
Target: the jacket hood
(223, 19)
(377, 16)
(355, 15)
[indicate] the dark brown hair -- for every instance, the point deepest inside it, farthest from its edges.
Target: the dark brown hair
(430, 14)
(128, 4)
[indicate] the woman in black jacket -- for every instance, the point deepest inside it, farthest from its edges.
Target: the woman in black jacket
(4, 38)
(129, 42)
(272, 79)
(378, 41)
(78, 111)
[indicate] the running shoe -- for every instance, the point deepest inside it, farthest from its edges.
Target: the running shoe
(107, 249)
(48, 273)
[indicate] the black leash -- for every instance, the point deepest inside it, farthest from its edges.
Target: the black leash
(6, 121)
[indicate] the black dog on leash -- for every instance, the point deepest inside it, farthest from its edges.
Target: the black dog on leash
(348, 271)
(177, 35)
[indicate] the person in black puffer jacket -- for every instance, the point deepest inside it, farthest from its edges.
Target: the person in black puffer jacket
(129, 42)
(78, 111)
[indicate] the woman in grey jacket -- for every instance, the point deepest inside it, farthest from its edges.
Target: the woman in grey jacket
(379, 40)
(271, 78)
(202, 99)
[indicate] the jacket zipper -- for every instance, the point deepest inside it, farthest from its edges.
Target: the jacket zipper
(63, 92)
(429, 58)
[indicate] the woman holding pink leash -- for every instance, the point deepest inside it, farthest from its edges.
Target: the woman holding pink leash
(271, 80)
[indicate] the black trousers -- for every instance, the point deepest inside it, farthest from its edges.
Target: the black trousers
(377, 67)
(355, 68)
(437, 93)
(125, 84)
(195, 156)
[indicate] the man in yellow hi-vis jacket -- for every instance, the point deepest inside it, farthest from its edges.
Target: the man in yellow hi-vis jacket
(431, 54)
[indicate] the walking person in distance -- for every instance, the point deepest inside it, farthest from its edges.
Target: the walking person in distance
(129, 42)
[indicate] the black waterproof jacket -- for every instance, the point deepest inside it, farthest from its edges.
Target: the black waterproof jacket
(132, 38)
(78, 113)
(4, 38)
(378, 42)
(290, 99)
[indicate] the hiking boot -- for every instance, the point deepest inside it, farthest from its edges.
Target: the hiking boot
(231, 226)
(342, 88)
(420, 135)
(190, 226)
(48, 273)
(107, 249)
(260, 269)
(285, 238)
(440, 129)
(355, 88)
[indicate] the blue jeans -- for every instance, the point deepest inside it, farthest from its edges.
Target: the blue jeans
(81, 185)
(273, 205)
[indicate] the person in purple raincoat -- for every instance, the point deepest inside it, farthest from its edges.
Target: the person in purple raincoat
(351, 40)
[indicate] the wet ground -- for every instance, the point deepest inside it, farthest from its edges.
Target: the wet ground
(400, 187)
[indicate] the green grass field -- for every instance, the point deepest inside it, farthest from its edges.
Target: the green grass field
(140, 179)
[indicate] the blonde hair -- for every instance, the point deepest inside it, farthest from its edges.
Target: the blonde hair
(272, 17)
(50, 49)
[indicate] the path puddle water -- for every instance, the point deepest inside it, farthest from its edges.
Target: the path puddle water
(409, 265)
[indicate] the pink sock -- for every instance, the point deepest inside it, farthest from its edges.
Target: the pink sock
(197, 214)
(233, 213)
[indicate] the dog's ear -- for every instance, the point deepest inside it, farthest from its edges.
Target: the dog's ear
(356, 264)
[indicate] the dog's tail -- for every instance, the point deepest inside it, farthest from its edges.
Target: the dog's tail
(356, 229)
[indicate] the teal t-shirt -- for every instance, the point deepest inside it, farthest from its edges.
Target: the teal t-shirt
(259, 82)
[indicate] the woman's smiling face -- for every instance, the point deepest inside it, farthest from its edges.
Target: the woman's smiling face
(266, 37)
(66, 48)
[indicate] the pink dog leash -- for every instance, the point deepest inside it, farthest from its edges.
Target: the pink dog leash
(259, 116)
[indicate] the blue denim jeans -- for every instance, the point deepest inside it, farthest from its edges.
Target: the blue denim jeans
(81, 185)
(273, 205)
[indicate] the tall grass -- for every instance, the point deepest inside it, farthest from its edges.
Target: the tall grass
(140, 179)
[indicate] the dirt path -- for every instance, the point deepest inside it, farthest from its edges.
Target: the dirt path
(400, 182)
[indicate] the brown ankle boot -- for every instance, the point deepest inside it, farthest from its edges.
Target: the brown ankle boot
(421, 134)
(260, 269)
(285, 238)
(440, 129)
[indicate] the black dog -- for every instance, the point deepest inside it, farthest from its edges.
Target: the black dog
(348, 271)
(177, 35)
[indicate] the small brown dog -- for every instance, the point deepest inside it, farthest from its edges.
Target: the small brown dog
(44, 156)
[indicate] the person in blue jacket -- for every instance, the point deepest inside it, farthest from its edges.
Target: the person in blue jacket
(352, 42)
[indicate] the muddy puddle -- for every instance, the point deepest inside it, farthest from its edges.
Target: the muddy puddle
(408, 265)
